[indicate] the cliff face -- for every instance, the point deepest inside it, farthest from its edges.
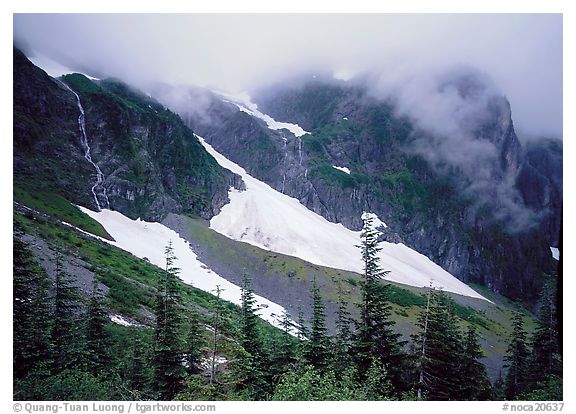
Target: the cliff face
(483, 223)
(540, 182)
(488, 221)
(151, 162)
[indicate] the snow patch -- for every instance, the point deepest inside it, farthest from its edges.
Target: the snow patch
(343, 169)
(376, 222)
(148, 240)
(218, 360)
(555, 252)
(268, 219)
(244, 104)
(84, 231)
(120, 320)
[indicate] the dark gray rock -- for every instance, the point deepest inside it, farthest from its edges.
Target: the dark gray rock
(152, 163)
(83, 279)
(540, 183)
(479, 222)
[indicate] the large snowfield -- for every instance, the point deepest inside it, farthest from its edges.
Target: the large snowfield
(274, 221)
(148, 240)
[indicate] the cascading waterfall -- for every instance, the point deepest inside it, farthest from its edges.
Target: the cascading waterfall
(300, 149)
(87, 155)
(285, 159)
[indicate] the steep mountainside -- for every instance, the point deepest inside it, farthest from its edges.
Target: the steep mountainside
(88, 142)
(151, 163)
(489, 220)
(540, 182)
(130, 283)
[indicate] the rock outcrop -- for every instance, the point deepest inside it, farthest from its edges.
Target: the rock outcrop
(152, 162)
(483, 223)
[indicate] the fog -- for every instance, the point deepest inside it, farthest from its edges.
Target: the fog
(519, 55)
(451, 110)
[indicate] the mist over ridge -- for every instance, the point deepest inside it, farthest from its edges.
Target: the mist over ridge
(521, 53)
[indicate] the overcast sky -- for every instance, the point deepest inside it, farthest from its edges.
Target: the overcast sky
(521, 53)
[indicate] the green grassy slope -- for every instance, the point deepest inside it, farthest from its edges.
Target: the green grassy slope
(54, 204)
(287, 280)
(132, 281)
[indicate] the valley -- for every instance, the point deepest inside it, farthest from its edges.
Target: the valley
(251, 246)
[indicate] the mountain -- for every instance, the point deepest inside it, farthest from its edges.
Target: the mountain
(142, 177)
(149, 161)
(540, 182)
(489, 223)
(265, 218)
(271, 220)
(479, 203)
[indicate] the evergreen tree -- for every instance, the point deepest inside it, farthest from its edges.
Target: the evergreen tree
(248, 327)
(475, 384)
(194, 344)
(168, 369)
(317, 352)
(97, 338)
(375, 338)
(139, 374)
(65, 328)
(288, 352)
(302, 335)
(284, 350)
(343, 338)
(545, 361)
(516, 360)
(303, 331)
(251, 366)
(31, 313)
(215, 332)
(420, 351)
(498, 391)
(440, 348)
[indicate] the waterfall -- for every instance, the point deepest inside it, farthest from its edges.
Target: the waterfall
(87, 155)
(285, 162)
(300, 149)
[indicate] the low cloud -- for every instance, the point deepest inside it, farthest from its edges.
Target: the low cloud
(464, 127)
(189, 102)
(238, 52)
(516, 55)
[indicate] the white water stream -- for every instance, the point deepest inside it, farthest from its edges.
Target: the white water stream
(87, 155)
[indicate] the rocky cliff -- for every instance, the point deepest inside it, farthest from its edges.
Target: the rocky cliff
(151, 162)
(482, 219)
(476, 201)
(540, 182)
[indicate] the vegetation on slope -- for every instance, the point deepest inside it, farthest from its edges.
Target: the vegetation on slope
(397, 171)
(132, 291)
(152, 163)
(55, 205)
